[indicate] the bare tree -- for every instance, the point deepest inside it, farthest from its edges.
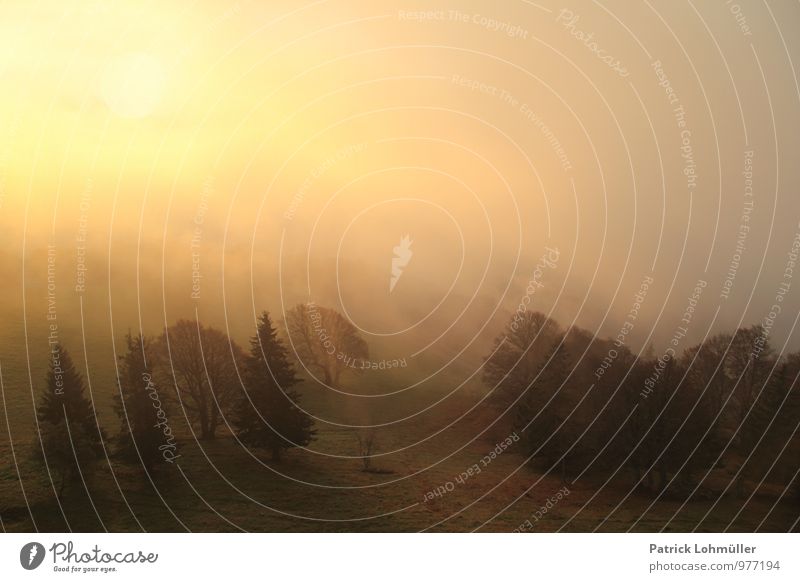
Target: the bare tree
(330, 347)
(518, 355)
(325, 342)
(367, 441)
(749, 362)
(202, 363)
(708, 370)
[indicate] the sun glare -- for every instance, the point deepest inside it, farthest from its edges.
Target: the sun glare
(133, 84)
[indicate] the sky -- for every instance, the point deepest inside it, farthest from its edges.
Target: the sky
(215, 159)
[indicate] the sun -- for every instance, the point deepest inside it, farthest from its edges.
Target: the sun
(133, 84)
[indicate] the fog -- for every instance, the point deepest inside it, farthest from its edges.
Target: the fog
(272, 170)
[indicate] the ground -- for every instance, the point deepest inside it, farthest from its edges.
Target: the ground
(219, 486)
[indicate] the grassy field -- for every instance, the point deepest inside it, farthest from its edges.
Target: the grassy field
(217, 486)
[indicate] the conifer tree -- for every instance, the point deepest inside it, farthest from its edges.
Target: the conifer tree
(144, 430)
(69, 438)
(267, 414)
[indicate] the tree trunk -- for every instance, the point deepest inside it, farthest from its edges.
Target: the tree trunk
(60, 494)
(662, 478)
(206, 427)
(649, 485)
(738, 489)
(638, 473)
(213, 421)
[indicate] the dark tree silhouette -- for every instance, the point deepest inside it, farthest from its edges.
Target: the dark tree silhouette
(708, 370)
(69, 437)
(749, 362)
(518, 354)
(69, 452)
(772, 428)
(655, 422)
(144, 429)
(681, 422)
(202, 363)
(545, 415)
(267, 415)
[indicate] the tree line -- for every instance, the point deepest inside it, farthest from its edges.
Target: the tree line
(189, 368)
(590, 406)
(582, 405)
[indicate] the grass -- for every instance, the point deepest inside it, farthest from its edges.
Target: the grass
(217, 486)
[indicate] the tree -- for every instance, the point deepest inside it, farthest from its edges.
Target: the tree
(655, 421)
(772, 426)
(327, 345)
(144, 431)
(545, 414)
(69, 437)
(267, 415)
(203, 363)
(325, 342)
(64, 393)
(367, 443)
(67, 450)
(750, 360)
(708, 369)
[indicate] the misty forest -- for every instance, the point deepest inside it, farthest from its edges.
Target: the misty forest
(564, 431)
